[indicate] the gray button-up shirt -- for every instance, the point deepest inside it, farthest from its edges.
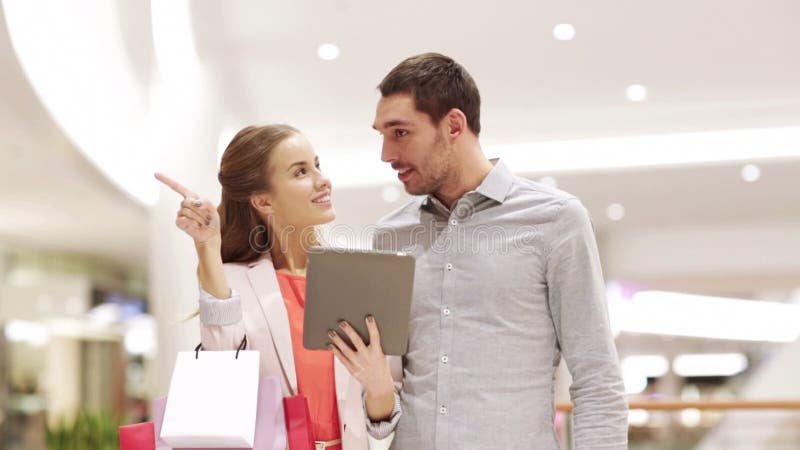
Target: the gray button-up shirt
(506, 283)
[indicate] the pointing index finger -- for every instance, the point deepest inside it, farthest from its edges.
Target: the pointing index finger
(175, 186)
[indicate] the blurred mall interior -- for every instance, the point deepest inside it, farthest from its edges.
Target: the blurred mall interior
(676, 123)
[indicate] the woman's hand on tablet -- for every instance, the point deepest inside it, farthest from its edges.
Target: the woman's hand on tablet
(367, 364)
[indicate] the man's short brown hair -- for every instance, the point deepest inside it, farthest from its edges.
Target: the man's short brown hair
(437, 83)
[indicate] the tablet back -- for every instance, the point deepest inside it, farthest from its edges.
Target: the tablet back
(351, 284)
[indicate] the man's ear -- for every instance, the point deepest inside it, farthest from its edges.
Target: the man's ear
(262, 203)
(456, 122)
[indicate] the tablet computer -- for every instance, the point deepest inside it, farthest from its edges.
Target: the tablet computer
(352, 284)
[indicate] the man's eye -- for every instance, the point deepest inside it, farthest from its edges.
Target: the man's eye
(400, 133)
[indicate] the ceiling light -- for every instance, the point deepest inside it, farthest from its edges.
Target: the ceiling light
(31, 333)
(649, 150)
(676, 314)
(328, 52)
(92, 112)
(691, 417)
(173, 39)
(635, 383)
(141, 336)
(362, 168)
(651, 366)
(564, 32)
(638, 417)
(751, 173)
(615, 212)
(636, 93)
(709, 364)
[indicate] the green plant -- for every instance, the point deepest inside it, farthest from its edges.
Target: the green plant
(89, 431)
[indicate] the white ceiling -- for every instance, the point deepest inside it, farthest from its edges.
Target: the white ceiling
(50, 196)
(708, 66)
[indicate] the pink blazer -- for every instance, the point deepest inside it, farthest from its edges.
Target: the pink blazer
(265, 321)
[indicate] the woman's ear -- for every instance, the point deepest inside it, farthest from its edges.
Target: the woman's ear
(262, 203)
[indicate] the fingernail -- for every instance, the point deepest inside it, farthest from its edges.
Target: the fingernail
(331, 334)
(370, 319)
(197, 203)
(342, 324)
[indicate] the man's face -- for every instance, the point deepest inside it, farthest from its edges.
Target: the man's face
(416, 148)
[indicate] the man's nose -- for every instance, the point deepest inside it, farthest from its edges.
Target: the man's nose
(387, 153)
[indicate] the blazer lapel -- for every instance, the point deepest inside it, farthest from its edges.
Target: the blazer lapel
(342, 378)
(348, 394)
(265, 284)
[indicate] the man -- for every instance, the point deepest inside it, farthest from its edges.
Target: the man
(508, 281)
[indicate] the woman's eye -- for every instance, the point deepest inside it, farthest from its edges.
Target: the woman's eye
(300, 172)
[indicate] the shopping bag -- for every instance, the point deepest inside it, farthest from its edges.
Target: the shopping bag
(138, 436)
(212, 399)
(270, 425)
(299, 430)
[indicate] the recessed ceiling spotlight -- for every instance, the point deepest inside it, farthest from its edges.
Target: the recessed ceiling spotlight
(636, 93)
(615, 212)
(564, 32)
(328, 52)
(751, 173)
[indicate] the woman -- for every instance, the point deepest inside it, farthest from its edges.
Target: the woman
(252, 261)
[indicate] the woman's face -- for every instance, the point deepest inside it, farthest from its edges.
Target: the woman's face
(299, 194)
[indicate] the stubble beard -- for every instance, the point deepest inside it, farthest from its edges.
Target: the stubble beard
(439, 164)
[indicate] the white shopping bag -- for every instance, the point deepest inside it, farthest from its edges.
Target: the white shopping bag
(212, 401)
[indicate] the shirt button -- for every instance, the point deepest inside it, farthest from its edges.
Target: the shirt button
(445, 359)
(446, 311)
(442, 410)
(454, 222)
(449, 266)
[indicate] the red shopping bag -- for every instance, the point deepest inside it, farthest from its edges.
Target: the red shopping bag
(139, 436)
(298, 423)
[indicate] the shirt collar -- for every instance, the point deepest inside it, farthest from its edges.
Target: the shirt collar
(495, 186)
(498, 183)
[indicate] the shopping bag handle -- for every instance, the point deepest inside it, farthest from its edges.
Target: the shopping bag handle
(242, 346)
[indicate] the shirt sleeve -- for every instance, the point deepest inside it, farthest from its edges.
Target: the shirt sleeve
(217, 311)
(382, 430)
(576, 296)
(221, 324)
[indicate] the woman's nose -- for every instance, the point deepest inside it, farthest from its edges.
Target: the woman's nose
(323, 182)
